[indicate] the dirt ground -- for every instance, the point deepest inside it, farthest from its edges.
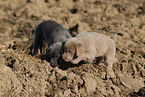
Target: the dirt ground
(23, 75)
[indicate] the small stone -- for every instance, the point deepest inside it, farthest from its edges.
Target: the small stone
(90, 82)
(103, 74)
(82, 92)
(66, 93)
(60, 73)
(129, 82)
(59, 94)
(74, 88)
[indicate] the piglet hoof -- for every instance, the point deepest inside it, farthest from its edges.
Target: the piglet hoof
(74, 62)
(110, 73)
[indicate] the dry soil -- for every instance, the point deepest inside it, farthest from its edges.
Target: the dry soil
(23, 75)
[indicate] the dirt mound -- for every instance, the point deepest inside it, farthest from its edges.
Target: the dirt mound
(23, 75)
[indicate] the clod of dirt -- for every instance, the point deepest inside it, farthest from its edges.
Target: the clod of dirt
(141, 93)
(90, 83)
(10, 85)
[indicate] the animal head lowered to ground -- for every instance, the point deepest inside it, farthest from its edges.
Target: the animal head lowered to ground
(53, 53)
(71, 50)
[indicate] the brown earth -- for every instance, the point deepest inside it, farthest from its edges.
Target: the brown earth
(23, 75)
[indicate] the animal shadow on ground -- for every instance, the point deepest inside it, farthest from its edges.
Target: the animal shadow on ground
(65, 65)
(61, 63)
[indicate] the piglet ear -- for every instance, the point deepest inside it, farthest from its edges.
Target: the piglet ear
(79, 48)
(79, 44)
(48, 50)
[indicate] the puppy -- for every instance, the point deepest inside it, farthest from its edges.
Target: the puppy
(87, 46)
(54, 35)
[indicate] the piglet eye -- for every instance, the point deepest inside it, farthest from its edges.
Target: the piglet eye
(70, 52)
(57, 56)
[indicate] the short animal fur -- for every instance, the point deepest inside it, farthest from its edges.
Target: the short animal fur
(54, 35)
(87, 46)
